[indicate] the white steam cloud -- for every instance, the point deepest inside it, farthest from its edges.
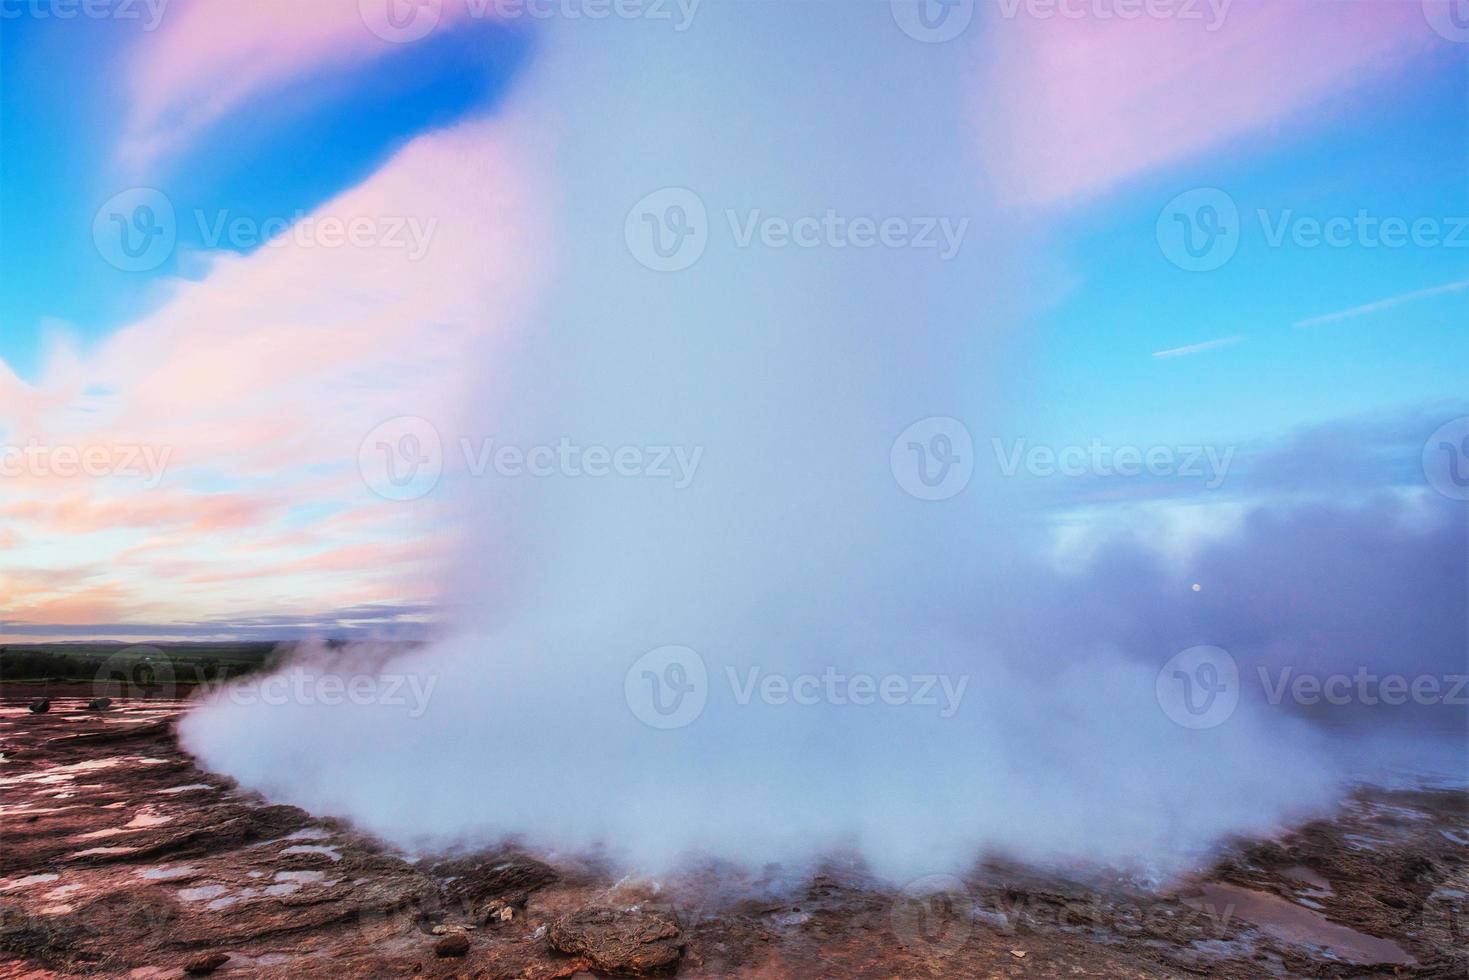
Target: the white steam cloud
(795, 567)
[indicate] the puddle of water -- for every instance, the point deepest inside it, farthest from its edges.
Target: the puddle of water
(183, 789)
(202, 893)
(1291, 923)
(94, 834)
(310, 833)
(329, 851)
(59, 774)
(163, 873)
(56, 894)
(147, 818)
(30, 880)
(99, 851)
(301, 877)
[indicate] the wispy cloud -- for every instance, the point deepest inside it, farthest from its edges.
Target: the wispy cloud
(261, 380)
(1091, 119)
(1199, 348)
(1382, 304)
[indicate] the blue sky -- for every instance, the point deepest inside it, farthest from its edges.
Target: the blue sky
(1315, 111)
(272, 159)
(1403, 155)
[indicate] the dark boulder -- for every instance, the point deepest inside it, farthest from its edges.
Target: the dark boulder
(99, 704)
(455, 944)
(40, 706)
(204, 965)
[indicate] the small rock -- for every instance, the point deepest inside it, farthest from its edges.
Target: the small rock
(40, 706)
(99, 704)
(628, 943)
(497, 910)
(206, 964)
(451, 930)
(1019, 954)
(456, 944)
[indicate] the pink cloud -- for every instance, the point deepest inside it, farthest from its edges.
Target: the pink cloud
(261, 381)
(1075, 105)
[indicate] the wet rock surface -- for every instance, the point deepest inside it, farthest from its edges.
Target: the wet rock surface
(120, 857)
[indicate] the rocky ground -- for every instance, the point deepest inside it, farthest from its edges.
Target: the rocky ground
(119, 857)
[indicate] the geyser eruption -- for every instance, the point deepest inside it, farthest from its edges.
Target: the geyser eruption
(714, 598)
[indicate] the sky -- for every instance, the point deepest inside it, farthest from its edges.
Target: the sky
(1238, 227)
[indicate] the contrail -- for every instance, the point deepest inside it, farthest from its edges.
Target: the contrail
(1382, 304)
(1197, 348)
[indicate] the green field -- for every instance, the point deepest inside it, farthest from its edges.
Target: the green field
(125, 670)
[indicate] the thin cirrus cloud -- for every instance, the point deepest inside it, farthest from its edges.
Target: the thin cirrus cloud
(1366, 309)
(1199, 348)
(1096, 101)
(258, 384)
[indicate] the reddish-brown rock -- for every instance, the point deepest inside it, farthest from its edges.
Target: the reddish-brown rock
(626, 943)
